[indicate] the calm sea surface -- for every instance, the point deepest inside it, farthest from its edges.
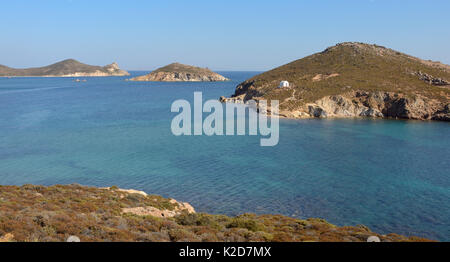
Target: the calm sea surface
(393, 176)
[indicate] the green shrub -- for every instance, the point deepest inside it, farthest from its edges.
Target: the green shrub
(248, 224)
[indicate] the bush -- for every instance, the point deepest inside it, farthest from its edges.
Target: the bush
(248, 224)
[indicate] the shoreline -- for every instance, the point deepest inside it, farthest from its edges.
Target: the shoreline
(62, 76)
(53, 213)
(302, 114)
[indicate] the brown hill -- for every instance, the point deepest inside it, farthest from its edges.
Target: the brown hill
(355, 80)
(177, 72)
(66, 68)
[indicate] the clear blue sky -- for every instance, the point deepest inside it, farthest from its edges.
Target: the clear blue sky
(222, 35)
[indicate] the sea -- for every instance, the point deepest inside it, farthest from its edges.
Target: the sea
(390, 175)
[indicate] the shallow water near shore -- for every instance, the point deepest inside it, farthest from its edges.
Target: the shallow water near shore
(393, 176)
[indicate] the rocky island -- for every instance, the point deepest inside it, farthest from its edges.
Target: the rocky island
(354, 80)
(66, 68)
(79, 213)
(177, 72)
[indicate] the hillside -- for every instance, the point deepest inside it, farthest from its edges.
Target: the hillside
(177, 72)
(354, 80)
(38, 213)
(66, 68)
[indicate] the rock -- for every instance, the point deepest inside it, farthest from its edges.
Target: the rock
(371, 112)
(237, 99)
(373, 239)
(73, 239)
(372, 104)
(132, 191)
(180, 207)
(317, 111)
(177, 72)
(7, 237)
(432, 80)
(320, 77)
(442, 115)
(183, 206)
(129, 191)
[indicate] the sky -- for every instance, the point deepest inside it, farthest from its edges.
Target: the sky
(253, 35)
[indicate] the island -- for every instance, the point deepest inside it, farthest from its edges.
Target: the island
(66, 68)
(76, 213)
(354, 80)
(177, 72)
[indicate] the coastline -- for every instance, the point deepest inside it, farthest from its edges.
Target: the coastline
(54, 213)
(62, 76)
(334, 110)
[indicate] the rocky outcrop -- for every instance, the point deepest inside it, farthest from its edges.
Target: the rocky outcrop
(180, 77)
(373, 104)
(7, 238)
(364, 104)
(178, 207)
(320, 77)
(177, 72)
(432, 80)
(114, 69)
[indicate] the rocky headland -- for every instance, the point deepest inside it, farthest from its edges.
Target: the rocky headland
(33, 213)
(66, 68)
(177, 72)
(354, 80)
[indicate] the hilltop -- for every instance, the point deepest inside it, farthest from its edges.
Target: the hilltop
(38, 213)
(177, 72)
(355, 80)
(66, 68)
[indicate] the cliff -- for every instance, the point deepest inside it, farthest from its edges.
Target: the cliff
(355, 80)
(38, 213)
(66, 68)
(177, 72)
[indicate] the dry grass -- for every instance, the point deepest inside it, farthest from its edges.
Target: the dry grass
(38, 213)
(354, 66)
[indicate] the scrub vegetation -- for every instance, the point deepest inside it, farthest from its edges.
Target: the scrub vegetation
(350, 67)
(39, 213)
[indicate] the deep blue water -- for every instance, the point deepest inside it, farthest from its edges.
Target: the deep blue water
(393, 176)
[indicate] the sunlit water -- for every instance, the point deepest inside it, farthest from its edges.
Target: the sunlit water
(393, 176)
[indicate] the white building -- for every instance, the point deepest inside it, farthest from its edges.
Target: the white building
(283, 84)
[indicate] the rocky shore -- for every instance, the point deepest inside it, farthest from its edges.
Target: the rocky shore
(354, 80)
(177, 72)
(78, 213)
(365, 104)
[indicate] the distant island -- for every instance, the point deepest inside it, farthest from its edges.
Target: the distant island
(75, 213)
(66, 68)
(177, 72)
(354, 80)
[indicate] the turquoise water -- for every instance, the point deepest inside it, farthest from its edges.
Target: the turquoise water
(392, 176)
